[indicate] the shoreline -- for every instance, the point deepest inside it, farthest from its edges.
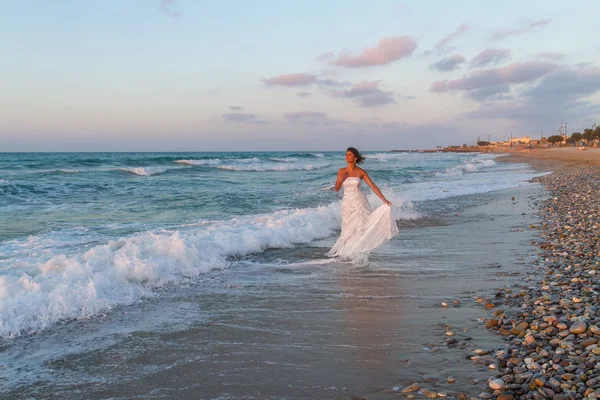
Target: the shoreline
(552, 325)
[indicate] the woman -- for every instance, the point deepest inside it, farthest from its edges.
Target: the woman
(362, 228)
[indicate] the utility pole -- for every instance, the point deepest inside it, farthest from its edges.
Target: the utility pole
(563, 129)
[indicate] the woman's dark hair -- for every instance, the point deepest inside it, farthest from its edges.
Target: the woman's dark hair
(359, 158)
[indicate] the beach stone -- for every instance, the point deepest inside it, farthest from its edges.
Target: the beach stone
(492, 322)
(578, 327)
(411, 388)
(428, 393)
(496, 384)
(505, 397)
(450, 379)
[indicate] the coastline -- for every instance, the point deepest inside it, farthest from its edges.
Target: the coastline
(552, 325)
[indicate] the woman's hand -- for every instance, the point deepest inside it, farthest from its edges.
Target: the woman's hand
(388, 203)
(342, 175)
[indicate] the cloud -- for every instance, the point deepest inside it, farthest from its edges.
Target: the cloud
(520, 29)
(235, 108)
(243, 117)
(490, 56)
(165, 6)
(510, 74)
(300, 79)
(442, 45)
(558, 96)
(367, 94)
(303, 94)
(305, 115)
(333, 82)
(569, 83)
(489, 92)
(388, 50)
(449, 63)
(326, 56)
(550, 56)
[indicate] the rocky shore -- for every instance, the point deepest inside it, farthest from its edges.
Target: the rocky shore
(552, 323)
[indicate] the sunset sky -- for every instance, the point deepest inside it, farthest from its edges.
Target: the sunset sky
(193, 75)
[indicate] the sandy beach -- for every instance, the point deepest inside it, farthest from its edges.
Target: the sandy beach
(563, 157)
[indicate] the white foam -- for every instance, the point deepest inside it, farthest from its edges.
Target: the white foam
(284, 159)
(262, 167)
(214, 161)
(39, 288)
(144, 171)
(245, 160)
(3, 181)
(474, 165)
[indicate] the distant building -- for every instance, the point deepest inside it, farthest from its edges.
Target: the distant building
(521, 140)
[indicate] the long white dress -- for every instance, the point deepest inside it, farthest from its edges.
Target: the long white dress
(362, 228)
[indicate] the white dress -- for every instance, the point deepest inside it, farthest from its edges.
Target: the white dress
(362, 228)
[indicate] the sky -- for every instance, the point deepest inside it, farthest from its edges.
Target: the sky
(193, 75)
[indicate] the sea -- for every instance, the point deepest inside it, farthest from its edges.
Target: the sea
(105, 258)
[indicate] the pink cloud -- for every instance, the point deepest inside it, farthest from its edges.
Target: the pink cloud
(300, 79)
(442, 45)
(513, 73)
(388, 50)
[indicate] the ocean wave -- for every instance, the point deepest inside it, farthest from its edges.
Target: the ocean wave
(284, 159)
(214, 161)
(36, 293)
(274, 167)
(383, 157)
(470, 167)
(144, 171)
(65, 171)
(41, 285)
(245, 160)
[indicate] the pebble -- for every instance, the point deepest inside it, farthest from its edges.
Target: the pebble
(412, 388)
(551, 322)
(496, 384)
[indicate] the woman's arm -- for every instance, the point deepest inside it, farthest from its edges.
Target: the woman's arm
(342, 175)
(375, 189)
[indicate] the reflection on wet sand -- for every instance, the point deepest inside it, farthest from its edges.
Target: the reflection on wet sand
(372, 321)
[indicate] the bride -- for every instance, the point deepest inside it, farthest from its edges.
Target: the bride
(362, 228)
